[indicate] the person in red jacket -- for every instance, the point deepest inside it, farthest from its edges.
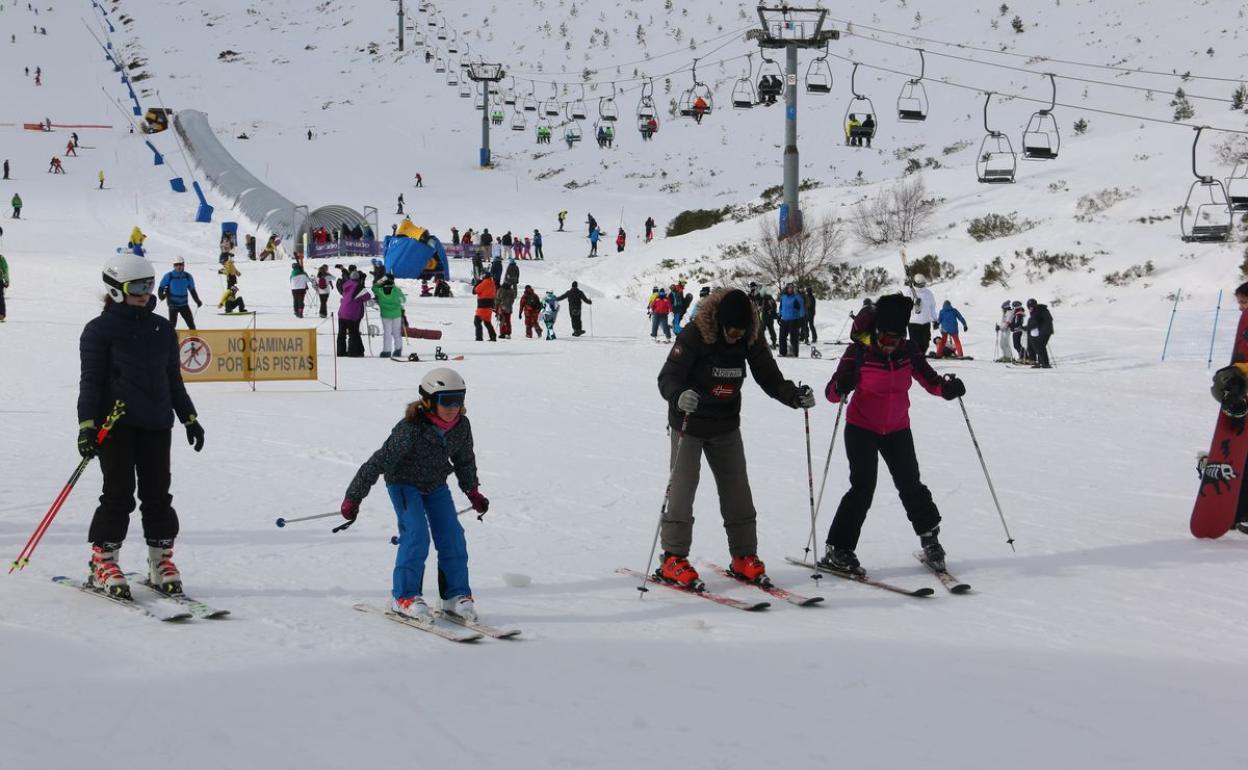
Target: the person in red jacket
(659, 310)
(880, 367)
(620, 238)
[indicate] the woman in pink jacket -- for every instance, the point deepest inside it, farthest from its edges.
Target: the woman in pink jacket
(880, 367)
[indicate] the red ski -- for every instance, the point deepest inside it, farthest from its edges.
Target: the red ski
(1221, 469)
(770, 588)
(727, 601)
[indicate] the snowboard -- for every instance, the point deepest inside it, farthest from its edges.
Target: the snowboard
(1220, 470)
(422, 334)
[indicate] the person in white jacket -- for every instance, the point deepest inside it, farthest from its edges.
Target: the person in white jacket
(1004, 334)
(923, 316)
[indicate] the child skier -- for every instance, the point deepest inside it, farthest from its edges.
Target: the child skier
(550, 313)
(433, 439)
(878, 424)
(530, 310)
(130, 354)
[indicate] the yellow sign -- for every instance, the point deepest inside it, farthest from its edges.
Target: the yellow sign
(247, 355)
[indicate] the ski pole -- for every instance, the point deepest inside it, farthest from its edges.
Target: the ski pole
(23, 558)
(810, 481)
(843, 325)
(283, 522)
(1008, 538)
(394, 539)
(667, 494)
(810, 545)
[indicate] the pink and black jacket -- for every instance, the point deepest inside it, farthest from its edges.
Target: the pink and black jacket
(881, 402)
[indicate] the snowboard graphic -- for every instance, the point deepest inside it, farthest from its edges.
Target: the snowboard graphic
(1221, 471)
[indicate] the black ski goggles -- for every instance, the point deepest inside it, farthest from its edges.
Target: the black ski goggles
(139, 286)
(449, 398)
(733, 333)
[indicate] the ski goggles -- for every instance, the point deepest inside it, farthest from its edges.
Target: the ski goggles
(139, 286)
(889, 339)
(733, 333)
(449, 398)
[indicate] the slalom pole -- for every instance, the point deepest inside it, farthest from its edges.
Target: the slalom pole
(23, 558)
(810, 545)
(810, 481)
(667, 494)
(1008, 538)
(1170, 326)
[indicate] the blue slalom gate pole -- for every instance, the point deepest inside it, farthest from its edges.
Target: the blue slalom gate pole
(1217, 313)
(1173, 310)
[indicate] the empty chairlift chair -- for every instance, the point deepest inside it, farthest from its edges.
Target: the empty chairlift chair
(577, 108)
(529, 102)
(743, 94)
(1041, 138)
(997, 163)
(1237, 184)
(572, 133)
(860, 119)
(912, 102)
(550, 107)
(1207, 215)
(607, 109)
(439, 65)
(518, 123)
(819, 75)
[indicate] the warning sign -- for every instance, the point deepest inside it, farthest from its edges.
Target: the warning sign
(247, 355)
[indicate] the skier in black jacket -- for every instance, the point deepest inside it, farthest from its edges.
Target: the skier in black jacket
(131, 354)
(701, 382)
(1039, 330)
(575, 297)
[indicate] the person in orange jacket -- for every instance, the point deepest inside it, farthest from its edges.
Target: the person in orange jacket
(485, 291)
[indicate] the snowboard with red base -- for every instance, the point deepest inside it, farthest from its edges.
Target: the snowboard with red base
(1221, 469)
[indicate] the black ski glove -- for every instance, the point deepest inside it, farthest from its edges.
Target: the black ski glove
(845, 383)
(87, 445)
(194, 433)
(952, 388)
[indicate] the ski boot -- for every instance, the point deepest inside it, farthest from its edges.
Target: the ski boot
(1242, 526)
(106, 574)
(933, 551)
(162, 573)
(678, 571)
(412, 607)
(842, 560)
(463, 606)
(750, 568)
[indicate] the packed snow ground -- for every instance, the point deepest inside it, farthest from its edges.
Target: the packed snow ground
(1108, 640)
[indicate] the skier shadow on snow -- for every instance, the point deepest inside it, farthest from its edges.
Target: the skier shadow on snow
(1178, 552)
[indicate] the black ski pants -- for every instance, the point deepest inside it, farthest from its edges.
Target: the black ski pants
(478, 322)
(185, 312)
(1018, 345)
(810, 329)
(350, 344)
(324, 304)
(788, 336)
(3, 312)
(864, 448)
(1040, 349)
(771, 330)
(575, 317)
(921, 334)
(129, 453)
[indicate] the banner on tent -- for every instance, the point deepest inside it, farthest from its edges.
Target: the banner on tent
(247, 355)
(345, 249)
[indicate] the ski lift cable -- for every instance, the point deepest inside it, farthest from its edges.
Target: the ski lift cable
(1089, 81)
(1034, 100)
(736, 33)
(1071, 62)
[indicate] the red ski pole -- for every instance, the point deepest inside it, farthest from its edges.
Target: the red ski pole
(28, 550)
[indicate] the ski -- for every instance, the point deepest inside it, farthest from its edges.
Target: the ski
(442, 631)
(727, 601)
(770, 588)
(130, 604)
(916, 592)
(947, 579)
(493, 632)
(194, 606)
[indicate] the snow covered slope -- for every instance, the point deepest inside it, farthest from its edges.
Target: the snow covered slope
(1108, 640)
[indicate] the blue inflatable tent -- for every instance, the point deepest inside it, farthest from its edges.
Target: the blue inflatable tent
(412, 258)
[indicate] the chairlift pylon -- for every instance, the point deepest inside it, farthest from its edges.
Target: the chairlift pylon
(860, 117)
(1041, 138)
(1212, 220)
(997, 163)
(819, 74)
(912, 102)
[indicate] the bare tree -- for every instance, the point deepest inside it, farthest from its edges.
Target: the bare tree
(799, 257)
(900, 213)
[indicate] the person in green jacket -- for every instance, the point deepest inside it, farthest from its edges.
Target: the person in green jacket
(4, 284)
(17, 206)
(390, 301)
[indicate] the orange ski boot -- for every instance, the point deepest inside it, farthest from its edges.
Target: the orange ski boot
(677, 570)
(751, 569)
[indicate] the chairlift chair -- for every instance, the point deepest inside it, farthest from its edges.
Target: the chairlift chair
(607, 109)
(1208, 213)
(1041, 138)
(572, 132)
(529, 103)
(442, 33)
(439, 65)
(698, 91)
(819, 75)
(862, 108)
(645, 105)
(509, 93)
(577, 108)
(452, 45)
(465, 89)
(1237, 184)
(452, 76)
(518, 122)
(912, 102)
(743, 94)
(550, 107)
(770, 84)
(997, 163)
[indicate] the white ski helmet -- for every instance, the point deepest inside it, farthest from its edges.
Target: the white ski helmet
(123, 269)
(441, 380)
(919, 279)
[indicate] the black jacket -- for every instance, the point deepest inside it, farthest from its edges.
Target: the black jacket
(575, 297)
(417, 453)
(130, 353)
(1042, 320)
(769, 308)
(700, 359)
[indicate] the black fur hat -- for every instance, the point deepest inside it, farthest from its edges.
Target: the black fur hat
(892, 313)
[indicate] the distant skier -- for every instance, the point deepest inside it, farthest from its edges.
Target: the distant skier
(177, 287)
(130, 354)
(620, 239)
(400, 206)
(1003, 333)
(575, 297)
(101, 177)
(420, 181)
(563, 217)
(485, 290)
(4, 284)
(659, 310)
(594, 236)
(504, 304)
(792, 317)
(878, 424)
(16, 203)
(531, 311)
(701, 383)
(351, 313)
(323, 282)
(71, 149)
(1039, 330)
(949, 319)
(924, 318)
(767, 306)
(649, 229)
(512, 276)
(808, 329)
(591, 224)
(1017, 329)
(433, 439)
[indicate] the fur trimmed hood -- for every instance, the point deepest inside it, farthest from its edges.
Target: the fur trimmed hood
(707, 318)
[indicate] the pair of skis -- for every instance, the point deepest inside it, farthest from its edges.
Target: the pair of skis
(472, 630)
(167, 608)
(946, 578)
(730, 601)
